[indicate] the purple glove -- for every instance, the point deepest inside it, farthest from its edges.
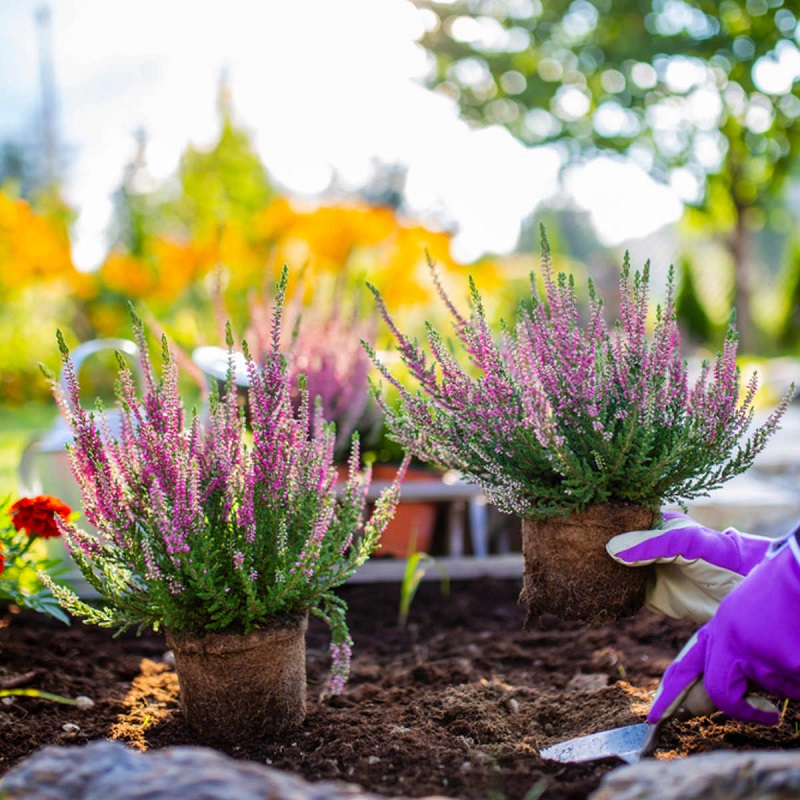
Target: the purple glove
(754, 638)
(695, 566)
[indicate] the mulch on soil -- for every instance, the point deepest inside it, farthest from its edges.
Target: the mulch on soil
(458, 704)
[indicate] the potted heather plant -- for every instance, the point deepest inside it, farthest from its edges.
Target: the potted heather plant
(581, 429)
(225, 539)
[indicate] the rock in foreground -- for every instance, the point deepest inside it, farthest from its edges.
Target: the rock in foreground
(755, 775)
(102, 770)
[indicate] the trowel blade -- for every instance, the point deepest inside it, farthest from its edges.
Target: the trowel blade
(626, 743)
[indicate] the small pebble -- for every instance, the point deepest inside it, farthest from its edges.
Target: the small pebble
(480, 757)
(70, 727)
(399, 730)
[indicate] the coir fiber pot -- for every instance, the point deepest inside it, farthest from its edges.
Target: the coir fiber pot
(568, 571)
(236, 688)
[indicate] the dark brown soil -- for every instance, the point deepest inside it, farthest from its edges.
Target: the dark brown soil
(458, 704)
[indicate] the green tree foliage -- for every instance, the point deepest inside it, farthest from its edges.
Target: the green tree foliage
(226, 183)
(789, 334)
(690, 88)
(689, 308)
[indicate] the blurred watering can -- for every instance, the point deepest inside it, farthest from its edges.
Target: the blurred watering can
(213, 361)
(44, 466)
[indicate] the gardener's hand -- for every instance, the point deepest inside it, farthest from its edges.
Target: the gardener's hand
(695, 566)
(753, 641)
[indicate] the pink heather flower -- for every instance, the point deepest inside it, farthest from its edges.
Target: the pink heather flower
(341, 654)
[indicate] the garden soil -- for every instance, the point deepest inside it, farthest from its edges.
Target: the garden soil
(458, 703)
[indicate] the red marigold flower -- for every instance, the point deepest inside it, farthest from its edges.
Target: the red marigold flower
(36, 515)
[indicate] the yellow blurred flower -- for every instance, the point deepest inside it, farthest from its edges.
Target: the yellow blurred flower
(33, 248)
(276, 218)
(130, 276)
(109, 320)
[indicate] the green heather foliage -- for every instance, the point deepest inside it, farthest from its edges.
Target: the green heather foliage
(559, 413)
(202, 527)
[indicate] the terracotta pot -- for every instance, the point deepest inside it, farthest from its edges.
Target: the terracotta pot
(412, 527)
(568, 571)
(237, 688)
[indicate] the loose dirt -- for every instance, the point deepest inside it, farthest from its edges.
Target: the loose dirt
(458, 703)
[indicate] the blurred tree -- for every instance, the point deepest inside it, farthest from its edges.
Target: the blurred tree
(689, 308)
(164, 239)
(789, 333)
(225, 184)
(386, 186)
(17, 171)
(702, 93)
(133, 219)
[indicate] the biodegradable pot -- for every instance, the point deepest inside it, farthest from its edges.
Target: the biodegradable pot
(237, 688)
(568, 571)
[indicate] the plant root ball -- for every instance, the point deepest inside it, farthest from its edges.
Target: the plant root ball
(237, 689)
(568, 571)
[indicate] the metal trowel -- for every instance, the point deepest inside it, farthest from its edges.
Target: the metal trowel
(628, 743)
(632, 742)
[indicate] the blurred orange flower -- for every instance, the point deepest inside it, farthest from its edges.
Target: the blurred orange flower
(131, 276)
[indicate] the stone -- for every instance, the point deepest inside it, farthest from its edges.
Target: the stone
(722, 775)
(104, 769)
(587, 682)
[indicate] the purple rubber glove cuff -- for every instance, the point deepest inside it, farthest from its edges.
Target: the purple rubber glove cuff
(753, 641)
(729, 549)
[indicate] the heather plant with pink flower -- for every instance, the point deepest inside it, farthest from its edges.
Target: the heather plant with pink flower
(562, 412)
(205, 528)
(559, 412)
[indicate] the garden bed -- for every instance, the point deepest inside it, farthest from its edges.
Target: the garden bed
(458, 704)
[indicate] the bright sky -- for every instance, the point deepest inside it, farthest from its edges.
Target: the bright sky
(323, 86)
